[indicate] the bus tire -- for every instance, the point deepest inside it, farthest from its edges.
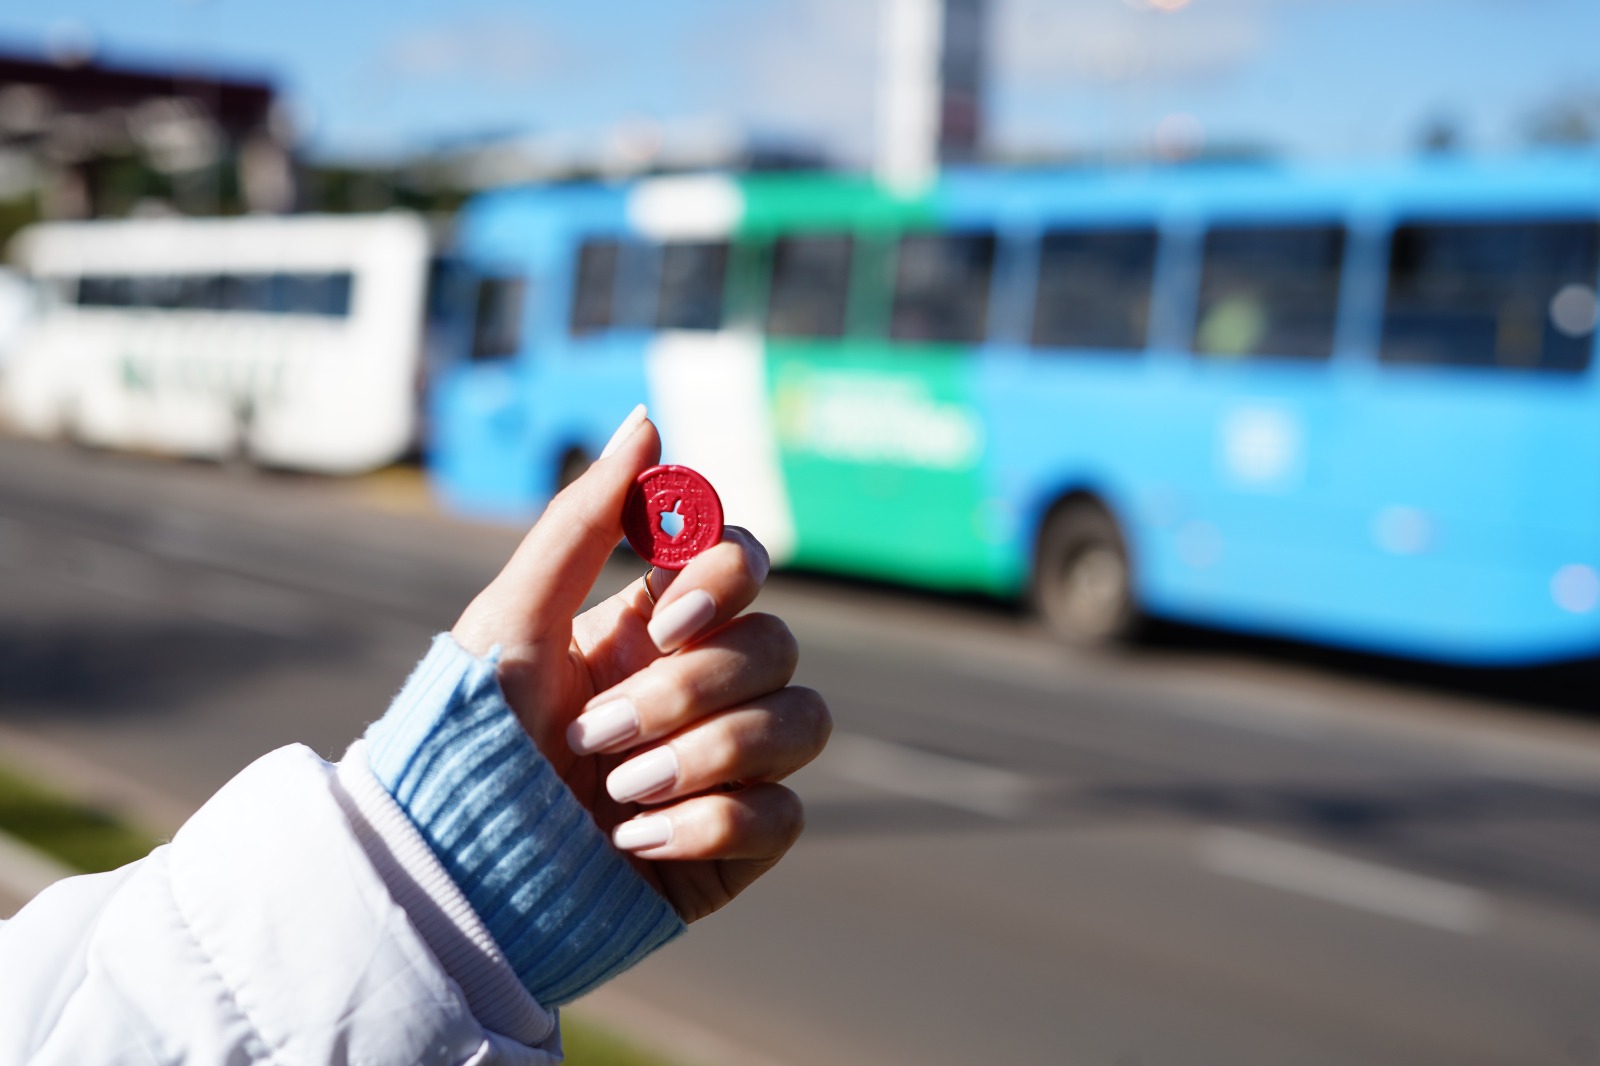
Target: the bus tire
(1082, 578)
(238, 454)
(574, 461)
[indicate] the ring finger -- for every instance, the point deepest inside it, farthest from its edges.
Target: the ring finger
(760, 742)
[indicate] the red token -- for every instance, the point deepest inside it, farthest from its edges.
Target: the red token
(671, 490)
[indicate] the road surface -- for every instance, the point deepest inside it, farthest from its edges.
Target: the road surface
(1199, 851)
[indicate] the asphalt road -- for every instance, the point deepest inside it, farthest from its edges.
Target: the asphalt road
(1201, 850)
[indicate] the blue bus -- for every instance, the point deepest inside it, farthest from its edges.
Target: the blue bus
(1357, 408)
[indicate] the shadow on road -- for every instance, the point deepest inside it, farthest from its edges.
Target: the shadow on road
(1495, 834)
(103, 669)
(1571, 687)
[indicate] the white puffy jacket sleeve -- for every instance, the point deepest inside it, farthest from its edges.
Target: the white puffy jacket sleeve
(307, 915)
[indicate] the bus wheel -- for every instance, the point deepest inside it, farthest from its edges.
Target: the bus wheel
(237, 454)
(574, 461)
(1082, 583)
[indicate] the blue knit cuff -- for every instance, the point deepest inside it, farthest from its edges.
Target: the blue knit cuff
(566, 908)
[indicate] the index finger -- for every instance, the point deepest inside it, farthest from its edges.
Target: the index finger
(547, 578)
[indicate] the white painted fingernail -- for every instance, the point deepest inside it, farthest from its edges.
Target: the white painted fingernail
(651, 831)
(597, 729)
(644, 776)
(685, 616)
(632, 422)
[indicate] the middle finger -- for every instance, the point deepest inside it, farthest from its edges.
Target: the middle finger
(751, 655)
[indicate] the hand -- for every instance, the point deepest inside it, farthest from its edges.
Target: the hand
(688, 720)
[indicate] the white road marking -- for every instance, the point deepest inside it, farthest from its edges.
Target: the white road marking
(1352, 882)
(109, 570)
(26, 871)
(251, 605)
(236, 601)
(923, 775)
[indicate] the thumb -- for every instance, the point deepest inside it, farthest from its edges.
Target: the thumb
(544, 584)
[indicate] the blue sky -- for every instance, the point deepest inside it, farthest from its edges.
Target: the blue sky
(1323, 79)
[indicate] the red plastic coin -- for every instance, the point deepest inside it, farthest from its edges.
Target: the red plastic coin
(671, 490)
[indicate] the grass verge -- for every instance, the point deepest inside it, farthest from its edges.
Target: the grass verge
(587, 1044)
(82, 836)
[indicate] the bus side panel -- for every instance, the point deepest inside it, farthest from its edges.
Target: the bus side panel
(1472, 517)
(1245, 521)
(1079, 423)
(1435, 517)
(883, 455)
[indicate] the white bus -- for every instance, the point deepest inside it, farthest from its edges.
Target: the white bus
(292, 342)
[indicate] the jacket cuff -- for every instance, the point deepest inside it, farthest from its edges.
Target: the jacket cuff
(567, 910)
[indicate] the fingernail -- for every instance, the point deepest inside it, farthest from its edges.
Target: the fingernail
(651, 831)
(644, 776)
(624, 431)
(605, 725)
(672, 627)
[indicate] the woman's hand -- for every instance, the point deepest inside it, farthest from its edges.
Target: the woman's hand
(672, 721)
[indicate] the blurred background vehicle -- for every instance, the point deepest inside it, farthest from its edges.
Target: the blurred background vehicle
(1353, 407)
(293, 342)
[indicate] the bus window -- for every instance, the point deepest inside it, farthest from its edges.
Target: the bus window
(162, 291)
(244, 292)
(594, 287)
(691, 285)
(1094, 289)
(327, 295)
(99, 290)
(810, 286)
(335, 292)
(497, 325)
(202, 292)
(1516, 295)
(941, 287)
(1269, 290)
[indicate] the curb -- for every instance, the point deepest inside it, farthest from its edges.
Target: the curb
(81, 778)
(25, 871)
(676, 1038)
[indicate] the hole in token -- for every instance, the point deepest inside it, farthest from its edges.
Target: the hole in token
(672, 521)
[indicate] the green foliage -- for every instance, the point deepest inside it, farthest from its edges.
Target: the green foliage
(588, 1045)
(79, 835)
(15, 214)
(340, 189)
